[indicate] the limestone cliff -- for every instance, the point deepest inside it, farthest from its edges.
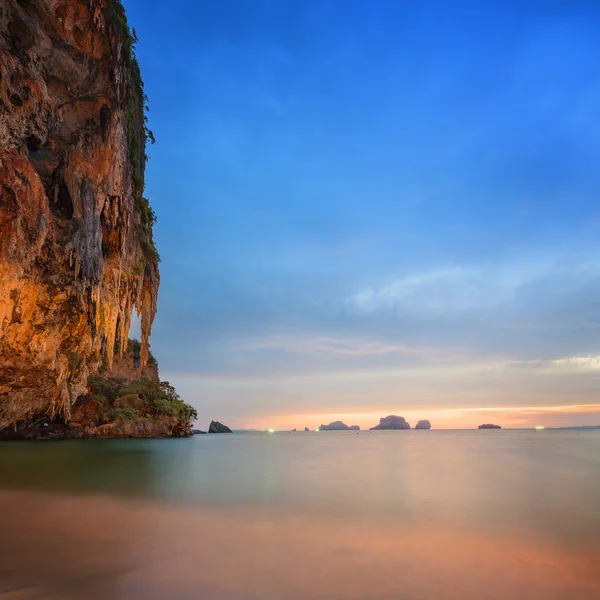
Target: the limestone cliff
(76, 249)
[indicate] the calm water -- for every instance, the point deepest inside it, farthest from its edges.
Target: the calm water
(382, 515)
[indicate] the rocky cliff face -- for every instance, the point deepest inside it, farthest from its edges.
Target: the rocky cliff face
(76, 248)
(127, 401)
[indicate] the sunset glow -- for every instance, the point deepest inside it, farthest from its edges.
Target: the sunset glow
(458, 418)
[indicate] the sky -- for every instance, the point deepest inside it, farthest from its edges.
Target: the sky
(372, 207)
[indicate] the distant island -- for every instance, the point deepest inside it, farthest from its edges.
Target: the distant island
(423, 424)
(489, 426)
(339, 426)
(391, 422)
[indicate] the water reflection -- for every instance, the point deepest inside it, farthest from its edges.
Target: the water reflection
(437, 516)
(121, 467)
(55, 547)
(76, 547)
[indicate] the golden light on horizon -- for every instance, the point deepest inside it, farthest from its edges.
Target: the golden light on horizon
(530, 417)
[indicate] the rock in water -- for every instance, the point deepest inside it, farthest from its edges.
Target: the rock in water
(197, 432)
(216, 427)
(335, 426)
(423, 424)
(354, 427)
(391, 422)
(306, 429)
(489, 426)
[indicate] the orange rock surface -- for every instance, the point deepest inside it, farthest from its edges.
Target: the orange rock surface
(74, 237)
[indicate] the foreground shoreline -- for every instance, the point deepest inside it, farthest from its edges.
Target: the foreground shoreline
(130, 549)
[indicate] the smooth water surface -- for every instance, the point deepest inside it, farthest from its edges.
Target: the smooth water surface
(401, 514)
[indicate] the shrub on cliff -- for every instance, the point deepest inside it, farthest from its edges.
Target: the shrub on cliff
(130, 401)
(187, 413)
(143, 397)
(100, 386)
(136, 122)
(125, 414)
(164, 406)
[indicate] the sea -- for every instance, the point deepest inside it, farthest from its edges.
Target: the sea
(415, 515)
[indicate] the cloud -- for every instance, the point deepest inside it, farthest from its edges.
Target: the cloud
(586, 363)
(450, 289)
(513, 314)
(473, 287)
(329, 346)
(420, 388)
(566, 365)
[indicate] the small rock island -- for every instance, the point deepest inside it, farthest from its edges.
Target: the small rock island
(423, 424)
(391, 422)
(489, 426)
(216, 427)
(338, 426)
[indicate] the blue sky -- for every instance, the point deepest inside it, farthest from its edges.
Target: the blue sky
(373, 206)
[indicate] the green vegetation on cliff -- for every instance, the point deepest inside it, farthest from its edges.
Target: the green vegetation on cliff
(136, 120)
(143, 398)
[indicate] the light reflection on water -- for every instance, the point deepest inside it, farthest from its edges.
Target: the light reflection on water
(428, 514)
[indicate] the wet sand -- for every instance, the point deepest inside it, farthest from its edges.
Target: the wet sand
(88, 546)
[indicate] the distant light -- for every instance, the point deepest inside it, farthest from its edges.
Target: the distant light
(270, 431)
(317, 429)
(539, 427)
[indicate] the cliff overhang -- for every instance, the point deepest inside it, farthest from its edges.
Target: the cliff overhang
(77, 255)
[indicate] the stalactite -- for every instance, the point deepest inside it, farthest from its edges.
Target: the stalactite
(75, 244)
